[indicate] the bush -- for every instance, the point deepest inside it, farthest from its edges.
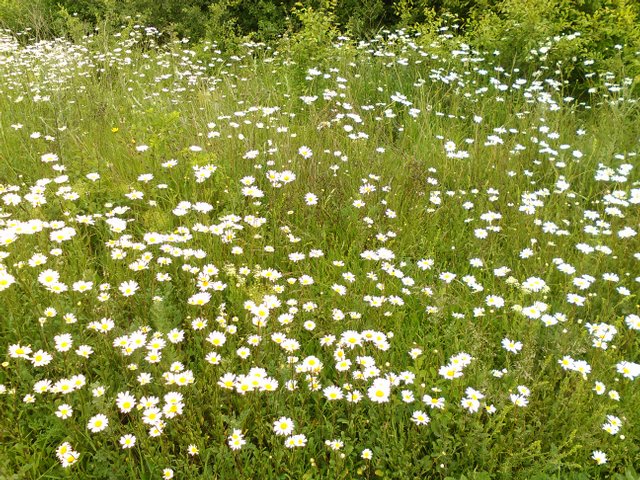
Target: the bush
(32, 18)
(310, 41)
(564, 33)
(532, 35)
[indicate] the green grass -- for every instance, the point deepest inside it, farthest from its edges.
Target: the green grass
(516, 141)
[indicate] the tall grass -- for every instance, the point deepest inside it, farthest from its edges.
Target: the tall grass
(460, 206)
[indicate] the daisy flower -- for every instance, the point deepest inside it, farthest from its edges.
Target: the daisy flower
(283, 426)
(98, 423)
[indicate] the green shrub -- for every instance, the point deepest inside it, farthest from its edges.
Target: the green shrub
(532, 34)
(310, 42)
(30, 17)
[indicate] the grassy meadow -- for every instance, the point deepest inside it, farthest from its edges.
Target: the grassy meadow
(396, 258)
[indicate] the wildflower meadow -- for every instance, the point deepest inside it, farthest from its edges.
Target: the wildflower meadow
(392, 258)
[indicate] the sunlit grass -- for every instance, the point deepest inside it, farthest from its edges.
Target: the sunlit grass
(405, 262)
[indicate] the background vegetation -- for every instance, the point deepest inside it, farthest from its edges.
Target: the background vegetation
(512, 27)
